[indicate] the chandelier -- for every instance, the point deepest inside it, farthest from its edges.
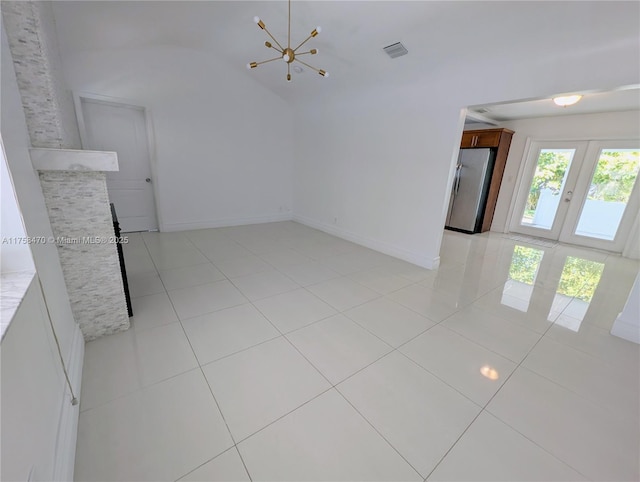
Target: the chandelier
(288, 54)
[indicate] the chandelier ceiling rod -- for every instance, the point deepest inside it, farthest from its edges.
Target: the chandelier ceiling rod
(288, 54)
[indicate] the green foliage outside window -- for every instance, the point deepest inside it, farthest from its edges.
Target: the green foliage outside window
(550, 171)
(613, 180)
(615, 175)
(580, 278)
(524, 264)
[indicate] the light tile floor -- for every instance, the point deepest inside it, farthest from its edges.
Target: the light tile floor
(278, 352)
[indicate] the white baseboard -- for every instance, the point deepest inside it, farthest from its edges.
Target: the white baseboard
(68, 423)
(381, 246)
(221, 223)
(628, 330)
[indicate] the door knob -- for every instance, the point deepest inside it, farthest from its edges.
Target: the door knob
(148, 179)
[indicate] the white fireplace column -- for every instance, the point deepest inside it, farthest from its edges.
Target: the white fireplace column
(73, 182)
(627, 324)
(75, 191)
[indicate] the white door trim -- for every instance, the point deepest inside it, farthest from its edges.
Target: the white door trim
(151, 145)
(567, 234)
(528, 172)
(522, 169)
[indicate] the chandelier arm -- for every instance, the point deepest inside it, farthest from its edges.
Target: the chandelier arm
(266, 61)
(273, 38)
(304, 63)
(303, 42)
(288, 54)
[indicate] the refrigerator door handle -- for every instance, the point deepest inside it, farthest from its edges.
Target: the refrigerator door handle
(457, 181)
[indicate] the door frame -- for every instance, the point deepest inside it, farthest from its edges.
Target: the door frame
(150, 137)
(624, 244)
(529, 167)
(619, 242)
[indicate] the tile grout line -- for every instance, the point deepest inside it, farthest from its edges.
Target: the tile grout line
(375, 428)
(342, 312)
(484, 408)
(335, 387)
(208, 385)
(332, 386)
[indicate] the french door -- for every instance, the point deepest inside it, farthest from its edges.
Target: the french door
(583, 193)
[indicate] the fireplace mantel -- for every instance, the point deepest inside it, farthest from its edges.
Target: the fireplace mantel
(73, 160)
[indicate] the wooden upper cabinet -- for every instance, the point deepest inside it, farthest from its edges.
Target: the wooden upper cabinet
(481, 138)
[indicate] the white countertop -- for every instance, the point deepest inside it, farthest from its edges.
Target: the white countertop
(13, 287)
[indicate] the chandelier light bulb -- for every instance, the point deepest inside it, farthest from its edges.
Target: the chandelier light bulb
(318, 29)
(249, 66)
(285, 57)
(256, 19)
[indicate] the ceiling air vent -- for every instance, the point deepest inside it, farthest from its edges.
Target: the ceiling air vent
(395, 50)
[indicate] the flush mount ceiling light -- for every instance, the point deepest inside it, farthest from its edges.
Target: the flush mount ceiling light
(288, 54)
(566, 100)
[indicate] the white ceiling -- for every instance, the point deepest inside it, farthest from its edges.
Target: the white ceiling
(350, 44)
(438, 35)
(622, 99)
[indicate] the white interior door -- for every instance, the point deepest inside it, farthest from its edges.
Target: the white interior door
(583, 193)
(109, 126)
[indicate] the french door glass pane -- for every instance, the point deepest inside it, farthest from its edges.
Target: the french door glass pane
(609, 192)
(546, 187)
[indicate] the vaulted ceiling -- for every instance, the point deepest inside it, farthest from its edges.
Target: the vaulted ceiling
(440, 36)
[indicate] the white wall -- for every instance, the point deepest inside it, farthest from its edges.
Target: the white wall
(14, 256)
(365, 170)
(33, 392)
(376, 157)
(612, 125)
(380, 159)
(31, 201)
(223, 152)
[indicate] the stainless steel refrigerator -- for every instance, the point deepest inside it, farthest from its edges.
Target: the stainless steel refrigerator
(469, 190)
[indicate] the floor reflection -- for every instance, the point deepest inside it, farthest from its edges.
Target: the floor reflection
(579, 281)
(523, 271)
(574, 286)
